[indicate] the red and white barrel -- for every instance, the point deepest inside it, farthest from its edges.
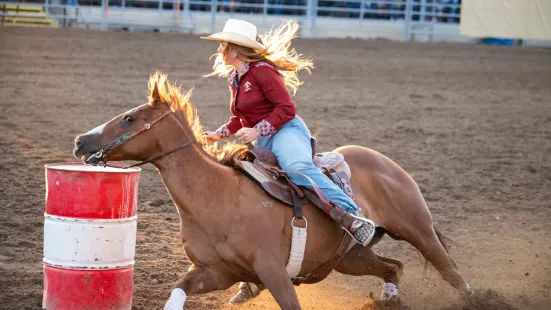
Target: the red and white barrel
(89, 237)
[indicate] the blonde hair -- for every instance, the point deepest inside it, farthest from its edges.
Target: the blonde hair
(278, 54)
(161, 91)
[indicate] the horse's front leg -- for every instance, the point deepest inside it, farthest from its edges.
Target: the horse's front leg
(198, 280)
(277, 281)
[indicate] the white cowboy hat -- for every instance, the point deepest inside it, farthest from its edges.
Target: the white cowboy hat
(238, 32)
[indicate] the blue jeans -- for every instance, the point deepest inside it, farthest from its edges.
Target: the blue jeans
(292, 147)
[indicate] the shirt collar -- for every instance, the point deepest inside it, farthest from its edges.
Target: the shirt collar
(232, 77)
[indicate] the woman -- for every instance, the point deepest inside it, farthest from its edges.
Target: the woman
(262, 109)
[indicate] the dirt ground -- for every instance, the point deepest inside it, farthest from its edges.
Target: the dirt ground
(471, 124)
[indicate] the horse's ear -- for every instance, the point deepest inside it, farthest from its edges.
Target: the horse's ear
(155, 97)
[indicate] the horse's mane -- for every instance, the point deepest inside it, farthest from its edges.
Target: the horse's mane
(171, 94)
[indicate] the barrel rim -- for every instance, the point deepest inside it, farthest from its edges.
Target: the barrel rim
(92, 221)
(55, 166)
(91, 266)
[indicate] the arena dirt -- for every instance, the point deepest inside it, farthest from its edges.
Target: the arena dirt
(471, 124)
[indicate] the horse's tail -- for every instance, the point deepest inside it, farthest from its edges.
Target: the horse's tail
(445, 241)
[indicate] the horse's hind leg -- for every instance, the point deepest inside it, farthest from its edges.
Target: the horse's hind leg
(196, 281)
(433, 250)
(362, 261)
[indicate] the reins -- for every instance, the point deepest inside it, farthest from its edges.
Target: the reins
(162, 155)
(102, 154)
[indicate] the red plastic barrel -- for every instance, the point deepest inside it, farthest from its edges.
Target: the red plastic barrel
(89, 237)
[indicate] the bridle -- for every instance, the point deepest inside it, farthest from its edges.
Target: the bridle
(102, 154)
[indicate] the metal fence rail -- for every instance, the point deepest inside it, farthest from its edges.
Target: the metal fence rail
(415, 17)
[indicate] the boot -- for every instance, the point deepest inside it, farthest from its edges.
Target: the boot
(362, 229)
(357, 226)
(246, 291)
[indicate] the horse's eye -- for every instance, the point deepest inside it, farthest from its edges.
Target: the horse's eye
(127, 118)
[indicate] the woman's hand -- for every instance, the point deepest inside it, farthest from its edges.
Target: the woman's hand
(211, 137)
(247, 135)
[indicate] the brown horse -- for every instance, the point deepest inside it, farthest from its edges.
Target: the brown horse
(233, 231)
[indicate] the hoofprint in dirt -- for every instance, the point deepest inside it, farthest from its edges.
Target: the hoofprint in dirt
(471, 124)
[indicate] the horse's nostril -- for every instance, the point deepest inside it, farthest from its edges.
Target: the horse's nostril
(78, 142)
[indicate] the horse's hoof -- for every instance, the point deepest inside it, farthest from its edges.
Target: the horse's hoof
(170, 306)
(247, 291)
(390, 292)
(393, 302)
(389, 298)
(176, 301)
(468, 292)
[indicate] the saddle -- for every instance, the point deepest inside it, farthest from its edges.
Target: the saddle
(260, 165)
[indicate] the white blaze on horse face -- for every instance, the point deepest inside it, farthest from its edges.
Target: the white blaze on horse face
(97, 131)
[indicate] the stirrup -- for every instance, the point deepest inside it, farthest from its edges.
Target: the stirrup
(246, 292)
(362, 229)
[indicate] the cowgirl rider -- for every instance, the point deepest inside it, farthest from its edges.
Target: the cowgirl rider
(258, 77)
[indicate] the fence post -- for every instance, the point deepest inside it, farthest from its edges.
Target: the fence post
(213, 7)
(407, 20)
(264, 11)
(311, 16)
(422, 10)
(177, 8)
(64, 10)
(105, 6)
(362, 8)
(432, 22)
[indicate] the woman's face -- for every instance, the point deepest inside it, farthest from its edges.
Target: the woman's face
(222, 47)
(225, 51)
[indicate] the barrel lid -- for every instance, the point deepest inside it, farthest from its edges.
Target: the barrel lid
(78, 166)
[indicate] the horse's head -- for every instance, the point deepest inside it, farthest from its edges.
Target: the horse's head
(135, 134)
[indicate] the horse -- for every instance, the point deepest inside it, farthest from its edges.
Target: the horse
(233, 231)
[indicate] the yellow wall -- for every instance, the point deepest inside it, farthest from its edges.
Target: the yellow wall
(516, 19)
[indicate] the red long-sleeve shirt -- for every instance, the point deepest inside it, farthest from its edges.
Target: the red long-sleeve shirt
(260, 100)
